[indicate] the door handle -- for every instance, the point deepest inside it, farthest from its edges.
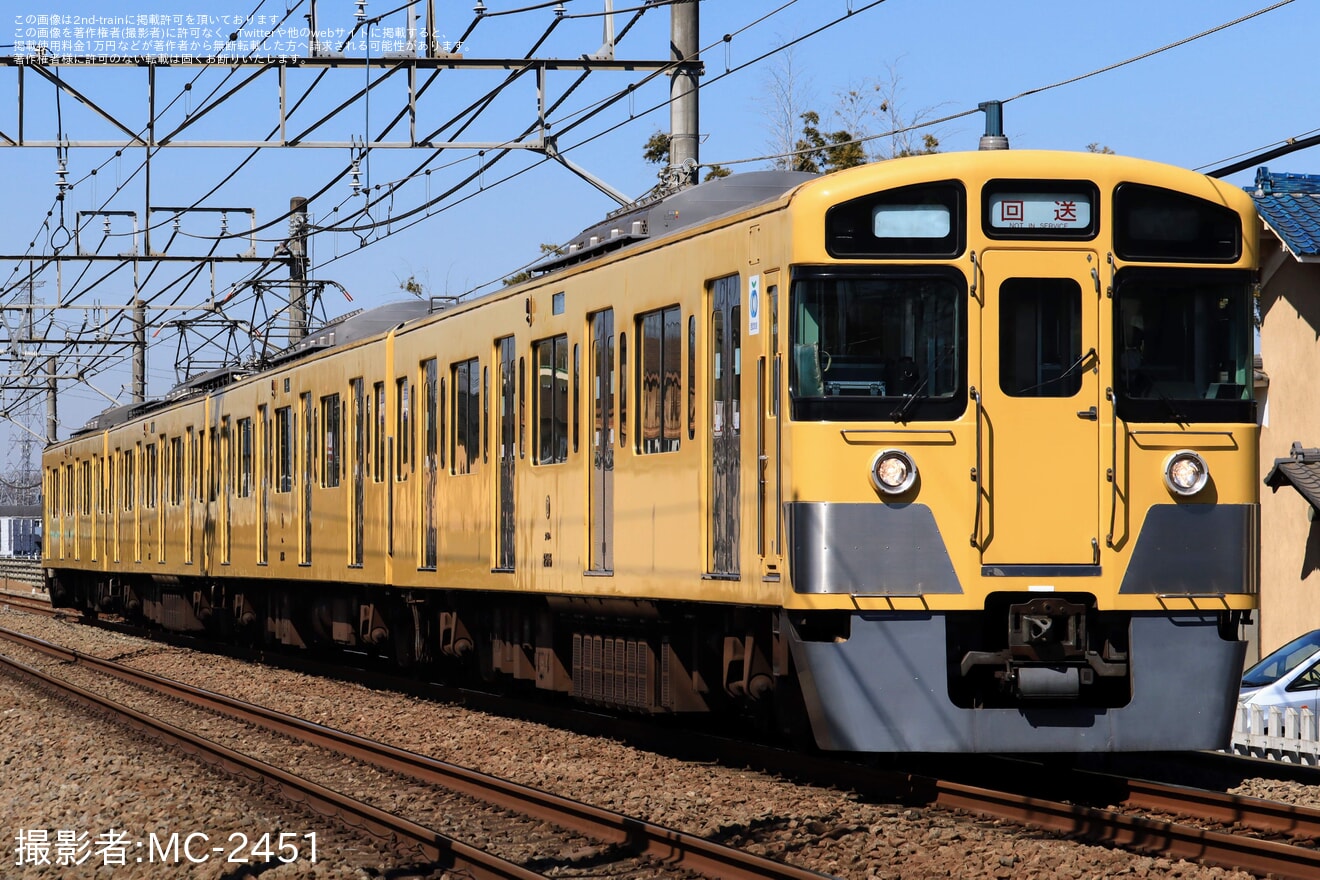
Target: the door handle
(1088, 414)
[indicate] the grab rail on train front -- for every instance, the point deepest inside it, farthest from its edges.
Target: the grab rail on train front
(1113, 464)
(976, 471)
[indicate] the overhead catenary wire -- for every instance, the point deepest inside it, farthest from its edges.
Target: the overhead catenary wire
(425, 209)
(1024, 94)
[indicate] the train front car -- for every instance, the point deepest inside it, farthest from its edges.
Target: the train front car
(1021, 494)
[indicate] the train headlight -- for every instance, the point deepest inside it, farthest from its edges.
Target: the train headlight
(893, 472)
(1186, 473)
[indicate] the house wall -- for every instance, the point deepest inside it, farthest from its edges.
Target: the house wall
(1290, 537)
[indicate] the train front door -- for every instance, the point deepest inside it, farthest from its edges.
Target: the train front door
(724, 382)
(600, 513)
(1040, 411)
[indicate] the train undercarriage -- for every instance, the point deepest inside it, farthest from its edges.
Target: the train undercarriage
(621, 655)
(1043, 673)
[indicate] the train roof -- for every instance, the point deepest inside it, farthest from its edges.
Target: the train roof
(346, 329)
(355, 326)
(682, 209)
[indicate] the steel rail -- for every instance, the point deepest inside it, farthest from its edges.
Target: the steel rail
(674, 848)
(435, 846)
(33, 604)
(1262, 815)
(1147, 835)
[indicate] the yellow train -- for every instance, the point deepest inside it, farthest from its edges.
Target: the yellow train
(947, 453)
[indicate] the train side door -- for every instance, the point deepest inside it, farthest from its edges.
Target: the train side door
(601, 475)
(769, 436)
(358, 420)
(1040, 404)
(306, 474)
(263, 454)
(724, 379)
(508, 427)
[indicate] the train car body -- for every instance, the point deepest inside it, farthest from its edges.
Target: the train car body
(949, 453)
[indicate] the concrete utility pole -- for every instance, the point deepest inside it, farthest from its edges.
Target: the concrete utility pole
(52, 392)
(139, 350)
(684, 45)
(297, 268)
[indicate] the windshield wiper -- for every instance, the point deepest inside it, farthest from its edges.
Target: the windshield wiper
(1064, 375)
(1178, 417)
(921, 386)
(912, 398)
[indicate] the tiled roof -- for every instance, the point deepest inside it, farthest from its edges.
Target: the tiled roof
(1301, 470)
(1290, 204)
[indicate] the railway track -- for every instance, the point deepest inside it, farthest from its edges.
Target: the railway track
(678, 851)
(1290, 853)
(29, 602)
(1073, 806)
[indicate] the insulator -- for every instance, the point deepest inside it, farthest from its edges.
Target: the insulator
(480, 8)
(361, 10)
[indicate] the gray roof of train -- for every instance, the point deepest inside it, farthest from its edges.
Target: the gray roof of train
(627, 226)
(685, 208)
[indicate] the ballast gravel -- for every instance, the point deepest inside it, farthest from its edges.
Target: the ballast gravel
(62, 769)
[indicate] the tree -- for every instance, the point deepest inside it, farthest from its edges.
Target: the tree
(656, 152)
(877, 104)
(526, 274)
(788, 93)
(871, 105)
(413, 286)
(817, 152)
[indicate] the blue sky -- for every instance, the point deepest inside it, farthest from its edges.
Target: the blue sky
(1197, 105)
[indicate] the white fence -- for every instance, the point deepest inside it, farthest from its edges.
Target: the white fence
(1280, 734)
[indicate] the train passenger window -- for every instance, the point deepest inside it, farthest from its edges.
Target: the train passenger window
(213, 469)
(692, 376)
(925, 220)
(464, 448)
(378, 440)
(284, 447)
(508, 391)
(1155, 224)
(196, 445)
(659, 379)
(176, 470)
(85, 480)
(244, 458)
(129, 487)
(330, 441)
(402, 427)
(550, 405)
(430, 414)
(149, 465)
(1187, 338)
(623, 390)
(1040, 337)
(577, 375)
(867, 344)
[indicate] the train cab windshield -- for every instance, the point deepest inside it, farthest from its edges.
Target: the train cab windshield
(872, 346)
(1184, 346)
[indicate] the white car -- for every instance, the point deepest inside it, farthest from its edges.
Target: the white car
(1288, 678)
